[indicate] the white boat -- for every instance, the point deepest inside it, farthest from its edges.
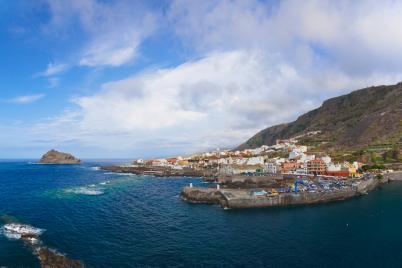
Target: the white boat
(22, 229)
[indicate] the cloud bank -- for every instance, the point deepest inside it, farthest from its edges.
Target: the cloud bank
(253, 64)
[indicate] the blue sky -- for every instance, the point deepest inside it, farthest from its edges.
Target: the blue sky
(127, 79)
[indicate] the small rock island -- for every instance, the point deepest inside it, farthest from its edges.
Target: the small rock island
(56, 157)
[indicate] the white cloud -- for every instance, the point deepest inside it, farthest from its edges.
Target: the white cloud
(359, 37)
(26, 99)
(258, 63)
(114, 30)
(54, 69)
(217, 101)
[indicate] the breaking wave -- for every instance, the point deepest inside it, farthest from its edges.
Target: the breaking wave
(91, 190)
(16, 231)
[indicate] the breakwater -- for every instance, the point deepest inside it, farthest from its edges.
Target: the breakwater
(394, 176)
(241, 198)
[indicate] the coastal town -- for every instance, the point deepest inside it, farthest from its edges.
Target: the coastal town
(285, 173)
(285, 157)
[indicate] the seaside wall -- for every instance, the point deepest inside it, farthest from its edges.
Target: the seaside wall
(240, 198)
(394, 176)
(289, 199)
(254, 179)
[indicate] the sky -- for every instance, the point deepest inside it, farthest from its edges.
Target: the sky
(141, 79)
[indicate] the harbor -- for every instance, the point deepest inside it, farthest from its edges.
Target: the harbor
(303, 192)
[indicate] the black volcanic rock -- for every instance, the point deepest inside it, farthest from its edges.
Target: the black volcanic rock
(51, 259)
(363, 117)
(55, 157)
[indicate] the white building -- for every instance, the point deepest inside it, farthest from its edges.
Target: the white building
(295, 153)
(257, 160)
(271, 167)
(139, 161)
(326, 159)
(307, 157)
(334, 167)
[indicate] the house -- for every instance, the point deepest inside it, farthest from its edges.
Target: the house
(295, 154)
(289, 166)
(172, 161)
(332, 167)
(271, 167)
(326, 159)
(240, 169)
(257, 160)
(306, 157)
(139, 162)
(316, 167)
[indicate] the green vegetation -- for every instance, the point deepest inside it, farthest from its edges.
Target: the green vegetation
(372, 167)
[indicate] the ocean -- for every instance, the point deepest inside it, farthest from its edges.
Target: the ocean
(114, 220)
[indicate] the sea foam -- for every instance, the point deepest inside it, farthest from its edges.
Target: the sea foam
(86, 191)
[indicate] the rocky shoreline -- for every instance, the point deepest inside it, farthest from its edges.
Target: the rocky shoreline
(48, 258)
(51, 259)
(154, 171)
(240, 198)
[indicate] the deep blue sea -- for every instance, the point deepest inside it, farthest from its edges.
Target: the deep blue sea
(141, 222)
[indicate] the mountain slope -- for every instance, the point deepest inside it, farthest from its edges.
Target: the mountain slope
(364, 117)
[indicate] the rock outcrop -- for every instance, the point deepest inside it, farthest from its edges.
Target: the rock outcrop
(51, 259)
(55, 157)
(201, 195)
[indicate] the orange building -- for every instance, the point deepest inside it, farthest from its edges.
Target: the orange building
(289, 166)
(316, 166)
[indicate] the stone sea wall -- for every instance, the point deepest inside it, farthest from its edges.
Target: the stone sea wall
(288, 199)
(235, 198)
(395, 176)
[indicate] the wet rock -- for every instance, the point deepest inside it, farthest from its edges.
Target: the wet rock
(51, 259)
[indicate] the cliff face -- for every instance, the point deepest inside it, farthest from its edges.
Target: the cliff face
(366, 116)
(55, 157)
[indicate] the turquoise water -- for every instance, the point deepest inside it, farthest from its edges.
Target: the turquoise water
(140, 221)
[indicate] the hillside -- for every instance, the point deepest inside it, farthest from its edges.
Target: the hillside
(364, 117)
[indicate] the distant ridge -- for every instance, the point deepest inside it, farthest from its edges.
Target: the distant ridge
(363, 117)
